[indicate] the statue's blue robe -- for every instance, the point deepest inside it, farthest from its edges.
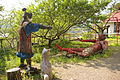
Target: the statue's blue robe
(25, 45)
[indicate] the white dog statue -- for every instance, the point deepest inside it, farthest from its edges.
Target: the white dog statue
(46, 65)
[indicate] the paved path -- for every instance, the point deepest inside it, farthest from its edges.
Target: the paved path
(101, 69)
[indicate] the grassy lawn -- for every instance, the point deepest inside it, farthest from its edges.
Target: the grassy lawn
(8, 59)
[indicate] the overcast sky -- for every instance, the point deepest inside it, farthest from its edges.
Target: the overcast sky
(19, 4)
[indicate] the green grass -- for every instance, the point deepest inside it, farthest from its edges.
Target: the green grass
(57, 56)
(77, 59)
(8, 58)
(113, 41)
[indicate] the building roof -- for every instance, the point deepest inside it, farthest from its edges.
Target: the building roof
(115, 17)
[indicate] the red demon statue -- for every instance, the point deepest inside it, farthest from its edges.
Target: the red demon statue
(99, 45)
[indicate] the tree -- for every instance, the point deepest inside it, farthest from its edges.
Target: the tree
(63, 14)
(8, 26)
(116, 6)
(1, 8)
(98, 23)
(101, 21)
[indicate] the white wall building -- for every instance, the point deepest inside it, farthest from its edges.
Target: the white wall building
(114, 22)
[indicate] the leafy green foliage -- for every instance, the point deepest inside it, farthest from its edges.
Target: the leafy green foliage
(115, 6)
(8, 59)
(98, 19)
(1, 8)
(62, 15)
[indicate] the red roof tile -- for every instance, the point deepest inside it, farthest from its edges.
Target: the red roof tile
(115, 17)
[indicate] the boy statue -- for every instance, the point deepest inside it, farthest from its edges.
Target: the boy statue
(25, 45)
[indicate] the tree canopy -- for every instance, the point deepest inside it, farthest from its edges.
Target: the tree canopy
(61, 15)
(1, 8)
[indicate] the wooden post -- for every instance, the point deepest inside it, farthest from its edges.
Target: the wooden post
(117, 29)
(14, 74)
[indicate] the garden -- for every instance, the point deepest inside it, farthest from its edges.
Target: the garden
(71, 24)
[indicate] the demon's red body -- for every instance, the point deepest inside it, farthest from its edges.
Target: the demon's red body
(78, 39)
(99, 45)
(70, 50)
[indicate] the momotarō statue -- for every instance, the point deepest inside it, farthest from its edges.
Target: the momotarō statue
(25, 45)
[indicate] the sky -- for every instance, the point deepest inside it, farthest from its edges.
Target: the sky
(17, 4)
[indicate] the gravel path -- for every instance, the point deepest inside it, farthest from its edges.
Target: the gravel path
(102, 69)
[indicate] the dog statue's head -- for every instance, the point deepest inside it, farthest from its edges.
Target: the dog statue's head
(45, 54)
(45, 51)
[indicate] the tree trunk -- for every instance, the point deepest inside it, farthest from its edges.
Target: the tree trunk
(49, 43)
(14, 74)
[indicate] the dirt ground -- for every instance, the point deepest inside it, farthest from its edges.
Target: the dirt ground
(101, 69)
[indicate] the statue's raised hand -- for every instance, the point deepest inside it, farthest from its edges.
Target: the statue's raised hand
(49, 27)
